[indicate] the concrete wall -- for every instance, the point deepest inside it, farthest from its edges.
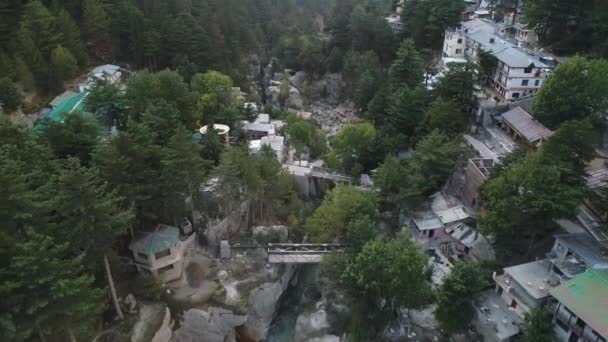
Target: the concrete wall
(450, 43)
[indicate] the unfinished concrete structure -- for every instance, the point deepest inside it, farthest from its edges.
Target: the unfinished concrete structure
(161, 253)
(526, 286)
(477, 171)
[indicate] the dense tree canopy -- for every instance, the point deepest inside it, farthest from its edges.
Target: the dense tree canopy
(395, 270)
(341, 209)
(576, 89)
(455, 297)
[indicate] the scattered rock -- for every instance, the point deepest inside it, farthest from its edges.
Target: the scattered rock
(326, 338)
(213, 325)
(265, 234)
(131, 302)
(299, 79)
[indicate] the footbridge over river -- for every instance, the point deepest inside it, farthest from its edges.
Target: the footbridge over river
(289, 253)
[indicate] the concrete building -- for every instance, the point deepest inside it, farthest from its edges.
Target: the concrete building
(573, 254)
(526, 286)
(517, 73)
(581, 313)
(590, 213)
(275, 142)
(495, 320)
(161, 253)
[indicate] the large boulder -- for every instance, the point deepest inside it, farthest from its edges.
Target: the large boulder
(265, 234)
(263, 304)
(299, 79)
(154, 324)
(213, 325)
(311, 325)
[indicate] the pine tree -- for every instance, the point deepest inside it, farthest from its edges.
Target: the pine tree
(182, 172)
(408, 67)
(35, 63)
(70, 37)
(76, 136)
(42, 26)
(63, 65)
(10, 96)
(96, 29)
(46, 293)
(83, 202)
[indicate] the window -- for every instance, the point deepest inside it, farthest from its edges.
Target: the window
(162, 254)
(537, 83)
(562, 325)
(458, 51)
(528, 70)
(524, 82)
(515, 95)
(459, 41)
(431, 233)
(500, 290)
(513, 304)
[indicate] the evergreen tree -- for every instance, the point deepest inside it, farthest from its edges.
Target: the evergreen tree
(46, 293)
(392, 269)
(70, 37)
(64, 65)
(76, 136)
(576, 89)
(42, 27)
(408, 67)
(459, 84)
(107, 101)
(96, 29)
(10, 96)
(340, 208)
(455, 297)
(83, 202)
(182, 172)
(539, 327)
(445, 116)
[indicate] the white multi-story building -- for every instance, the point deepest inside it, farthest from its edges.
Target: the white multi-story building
(517, 73)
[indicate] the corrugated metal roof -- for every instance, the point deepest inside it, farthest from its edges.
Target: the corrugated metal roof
(528, 127)
(429, 223)
(586, 295)
(597, 179)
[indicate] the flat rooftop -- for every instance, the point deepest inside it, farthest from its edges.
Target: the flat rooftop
(531, 276)
(493, 313)
(593, 252)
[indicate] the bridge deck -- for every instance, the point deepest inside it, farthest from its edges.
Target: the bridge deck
(300, 253)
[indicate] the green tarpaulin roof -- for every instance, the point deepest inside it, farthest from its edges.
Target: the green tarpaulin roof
(161, 240)
(68, 105)
(587, 296)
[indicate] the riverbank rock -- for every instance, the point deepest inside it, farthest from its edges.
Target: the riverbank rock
(266, 234)
(154, 324)
(311, 325)
(213, 325)
(263, 304)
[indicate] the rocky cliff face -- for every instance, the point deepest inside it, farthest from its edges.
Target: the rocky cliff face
(263, 304)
